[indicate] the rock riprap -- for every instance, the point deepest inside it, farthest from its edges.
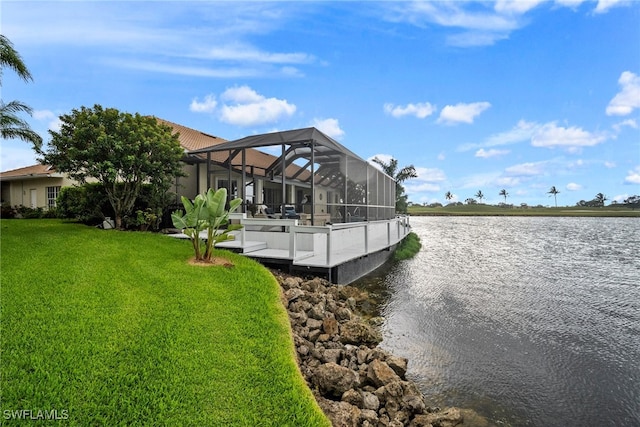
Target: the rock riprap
(354, 382)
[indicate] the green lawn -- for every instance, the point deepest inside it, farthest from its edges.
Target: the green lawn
(115, 328)
(488, 210)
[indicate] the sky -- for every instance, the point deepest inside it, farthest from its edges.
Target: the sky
(476, 95)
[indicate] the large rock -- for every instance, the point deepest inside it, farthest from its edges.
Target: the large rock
(380, 374)
(447, 418)
(333, 379)
(341, 414)
(398, 364)
(330, 326)
(357, 332)
(293, 294)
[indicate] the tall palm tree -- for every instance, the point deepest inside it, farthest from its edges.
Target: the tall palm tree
(448, 195)
(479, 195)
(553, 191)
(504, 193)
(400, 176)
(12, 126)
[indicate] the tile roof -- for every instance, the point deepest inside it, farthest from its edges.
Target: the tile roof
(191, 139)
(34, 170)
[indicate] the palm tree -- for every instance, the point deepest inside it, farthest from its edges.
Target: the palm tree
(448, 195)
(479, 195)
(504, 193)
(400, 176)
(12, 126)
(553, 191)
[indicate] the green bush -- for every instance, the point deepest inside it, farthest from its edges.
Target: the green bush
(89, 204)
(408, 248)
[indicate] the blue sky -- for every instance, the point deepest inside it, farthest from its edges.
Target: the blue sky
(515, 95)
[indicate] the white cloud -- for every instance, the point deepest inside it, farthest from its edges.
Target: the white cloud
(518, 7)
(628, 98)
(241, 94)
(620, 198)
(331, 127)
(485, 154)
(54, 122)
(412, 187)
(242, 52)
(429, 175)
(626, 123)
(478, 23)
(248, 108)
(462, 113)
(420, 110)
(569, 3)
(609, 165)
(508, 181)
(208, 105)
(527, 169)
(442, 156)
(633, 177)
(550, 135)
(572, 186)
(521, 132)
(604, 5)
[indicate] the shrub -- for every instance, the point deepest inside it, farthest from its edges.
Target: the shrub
(408, 248)
(89, 204)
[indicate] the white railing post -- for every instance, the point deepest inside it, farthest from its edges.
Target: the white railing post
(366, 238)
(292, 241)
(329, 246)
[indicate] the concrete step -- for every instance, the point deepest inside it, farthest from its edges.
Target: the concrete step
(236, 245)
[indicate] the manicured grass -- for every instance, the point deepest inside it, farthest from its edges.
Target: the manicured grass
(117, 328)
(492, 210)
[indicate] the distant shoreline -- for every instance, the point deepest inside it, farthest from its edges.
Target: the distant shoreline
(491, 210)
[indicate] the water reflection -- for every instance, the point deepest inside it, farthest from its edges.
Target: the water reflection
(531, 321)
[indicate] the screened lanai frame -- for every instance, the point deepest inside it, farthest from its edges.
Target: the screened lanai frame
(354, 190)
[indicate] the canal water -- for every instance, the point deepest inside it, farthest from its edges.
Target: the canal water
(530, 321)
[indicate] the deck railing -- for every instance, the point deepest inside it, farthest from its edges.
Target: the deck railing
(336, 241)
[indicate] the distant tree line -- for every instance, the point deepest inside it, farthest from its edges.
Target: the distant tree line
(632, 202)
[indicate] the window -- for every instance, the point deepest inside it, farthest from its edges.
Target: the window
(52, 195)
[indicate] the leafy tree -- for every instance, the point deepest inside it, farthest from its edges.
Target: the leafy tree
(400, 176)
(479, 196)
(554, 191)
(504, 193)
(600, 199)
(632, 202)
(12, 126)
(120, 150)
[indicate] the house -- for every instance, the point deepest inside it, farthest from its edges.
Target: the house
(326, 183)
(34, 186)
(333, 212)
(38, 186)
